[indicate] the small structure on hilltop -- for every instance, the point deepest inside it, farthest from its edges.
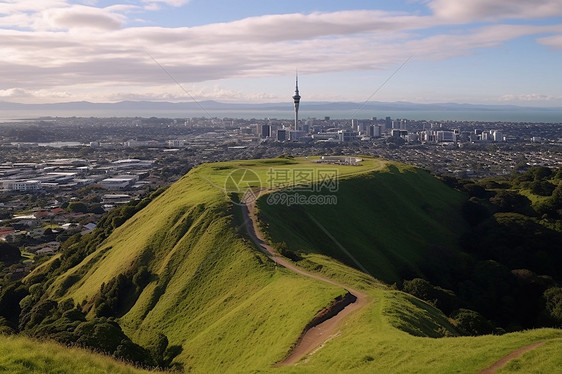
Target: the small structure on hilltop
(340, 160)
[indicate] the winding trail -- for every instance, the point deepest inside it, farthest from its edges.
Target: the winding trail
(504, 360)
(316, 336)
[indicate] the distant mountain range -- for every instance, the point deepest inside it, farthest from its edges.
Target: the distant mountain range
(308, 106)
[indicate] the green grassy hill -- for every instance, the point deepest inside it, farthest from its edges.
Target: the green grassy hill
(19, 355)
(392, 223)
(212, 292)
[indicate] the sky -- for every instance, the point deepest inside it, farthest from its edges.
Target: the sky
(248, 51)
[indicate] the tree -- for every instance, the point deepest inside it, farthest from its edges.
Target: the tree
(474, 211)
(77, 207)
(10, 299)
(157, 349)
(475, 190)
(472, 323)
(553, 297)
(9, 253)
(511, 201)
(542, 188)
(445, 300)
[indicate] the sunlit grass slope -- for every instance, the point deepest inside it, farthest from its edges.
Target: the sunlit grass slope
(232, 310)
(20, 355)
(211, 291)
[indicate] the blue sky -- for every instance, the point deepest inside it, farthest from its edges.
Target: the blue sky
(464, 51)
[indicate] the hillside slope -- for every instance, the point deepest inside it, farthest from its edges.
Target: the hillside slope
(392, 223)
(21, 355)
(212, 292)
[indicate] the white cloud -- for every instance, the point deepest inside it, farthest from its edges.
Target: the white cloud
(529, 98)
(77, 48)
(486, 10)
(22, 94)
(176, 3)
(18, 6)
(153, 5)
(554, 41)
(79, 16)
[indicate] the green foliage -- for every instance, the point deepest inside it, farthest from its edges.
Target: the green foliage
(77, 207)
(445, 300)
(536, 173)
(142, 277)
(475, 211)
(553, 297)
(542, 188)
(511, 201)
(9, 253)
(286, 252)
(112, 296)
(10, 298)
(475, 190)
(103, 334)
(519, 242)
(473, 323)
(157, 349)
(42, 310)
(65, 323)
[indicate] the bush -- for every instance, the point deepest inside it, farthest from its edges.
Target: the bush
(553, 298)
(9, 302)
(142, 277)
(443, 299)
(475, 190)
(77, 207)
(511, 201)
(472, 323)
(286, 252)
(474, 211)
(542, 188)
(8, 253)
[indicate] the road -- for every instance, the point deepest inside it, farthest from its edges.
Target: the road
(321, 333)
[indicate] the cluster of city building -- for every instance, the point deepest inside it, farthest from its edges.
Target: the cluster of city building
(312, 130)
(72, 173)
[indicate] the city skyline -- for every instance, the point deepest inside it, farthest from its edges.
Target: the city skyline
(478, 52)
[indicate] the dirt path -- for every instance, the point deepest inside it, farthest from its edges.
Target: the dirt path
(504, 360)
(319, 334)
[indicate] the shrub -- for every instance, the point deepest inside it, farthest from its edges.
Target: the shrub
(553, 297)
(472, 323)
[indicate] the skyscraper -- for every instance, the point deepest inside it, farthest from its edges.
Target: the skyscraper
(296, 100)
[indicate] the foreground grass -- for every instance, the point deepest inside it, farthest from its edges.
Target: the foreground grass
(22, 355)
(544, 359)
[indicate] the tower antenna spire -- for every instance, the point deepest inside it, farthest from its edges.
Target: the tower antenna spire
(296, 100)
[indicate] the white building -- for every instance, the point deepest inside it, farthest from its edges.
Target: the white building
(14, 185)
(176, 143)
(119, 182)
(497, 136)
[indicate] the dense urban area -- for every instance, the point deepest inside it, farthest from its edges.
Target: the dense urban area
(60, 175)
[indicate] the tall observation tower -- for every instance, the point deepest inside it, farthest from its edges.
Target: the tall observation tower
(296, 100)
